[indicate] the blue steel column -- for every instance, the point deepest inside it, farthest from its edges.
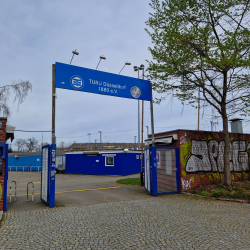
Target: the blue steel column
(5, 179)
(178, 178)
(52, 177)
(154, 171)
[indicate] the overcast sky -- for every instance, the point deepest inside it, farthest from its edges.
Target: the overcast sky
(36, 34)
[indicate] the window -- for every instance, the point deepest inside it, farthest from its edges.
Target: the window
(109, 161)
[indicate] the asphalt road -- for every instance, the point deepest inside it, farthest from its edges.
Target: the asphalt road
(72, 190)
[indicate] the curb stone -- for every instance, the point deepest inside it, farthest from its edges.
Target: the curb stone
(213, 198)
(1, 214)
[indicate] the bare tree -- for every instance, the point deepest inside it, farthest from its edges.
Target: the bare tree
(20, 88)
(21, 144)
(32, 145)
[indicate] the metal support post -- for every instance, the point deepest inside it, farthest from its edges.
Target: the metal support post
(53, 103)
(28, 191)
(152, 117)
(142, 117)
(10, 190)
(138, 124)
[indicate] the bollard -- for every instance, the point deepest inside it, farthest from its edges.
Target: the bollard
(10, 190)
(28, 191)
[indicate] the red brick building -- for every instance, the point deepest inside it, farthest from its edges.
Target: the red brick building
(201, 155)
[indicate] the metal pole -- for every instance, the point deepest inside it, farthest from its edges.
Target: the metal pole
(152, 117)
(142, 116)
(138, 117)
(53, 141)
(32, 191)
(10, 192)
(89, 139)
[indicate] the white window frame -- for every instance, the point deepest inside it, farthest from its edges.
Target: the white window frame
(107, 165)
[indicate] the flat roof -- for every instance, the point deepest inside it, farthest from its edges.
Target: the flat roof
(103, 152)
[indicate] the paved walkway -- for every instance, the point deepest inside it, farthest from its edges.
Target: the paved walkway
(164, 222)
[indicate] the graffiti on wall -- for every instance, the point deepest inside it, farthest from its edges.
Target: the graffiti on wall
(186, 184)
(208, 156)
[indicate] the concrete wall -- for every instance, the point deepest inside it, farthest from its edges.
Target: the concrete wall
(201, 156)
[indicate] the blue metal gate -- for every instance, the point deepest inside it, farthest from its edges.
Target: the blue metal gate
(5, 156)
(161, 170)
(48, 175)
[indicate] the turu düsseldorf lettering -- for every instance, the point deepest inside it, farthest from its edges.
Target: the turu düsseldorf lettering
(107, 87)
(106, 84)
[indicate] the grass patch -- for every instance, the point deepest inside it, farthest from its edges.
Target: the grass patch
(130, 181)
(238, 190)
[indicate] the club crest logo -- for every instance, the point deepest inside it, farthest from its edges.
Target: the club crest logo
(135, 92)
(77, 82)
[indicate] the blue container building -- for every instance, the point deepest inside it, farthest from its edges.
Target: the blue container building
(103, 162)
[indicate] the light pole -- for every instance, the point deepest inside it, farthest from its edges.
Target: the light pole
(141, 174)
(136, 68)
(74, 53)
(101, 57)
(89, 139)
(126, 63)
(100, 138)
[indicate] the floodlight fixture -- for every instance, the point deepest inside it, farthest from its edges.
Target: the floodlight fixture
(126, 63)
(136, 68)
(141, 67)
(74, 52)
(101, 57)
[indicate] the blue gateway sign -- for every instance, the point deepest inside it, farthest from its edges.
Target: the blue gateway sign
(94, 81)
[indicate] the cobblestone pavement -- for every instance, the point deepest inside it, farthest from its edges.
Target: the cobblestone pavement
(164, 222)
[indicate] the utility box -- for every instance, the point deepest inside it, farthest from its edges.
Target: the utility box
(236, 126)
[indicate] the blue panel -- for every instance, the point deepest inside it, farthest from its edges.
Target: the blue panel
(99, 82)
(5, 179)
(52, 176)
(154, 171)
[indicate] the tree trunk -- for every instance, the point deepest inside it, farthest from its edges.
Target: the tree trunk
(227, 176)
